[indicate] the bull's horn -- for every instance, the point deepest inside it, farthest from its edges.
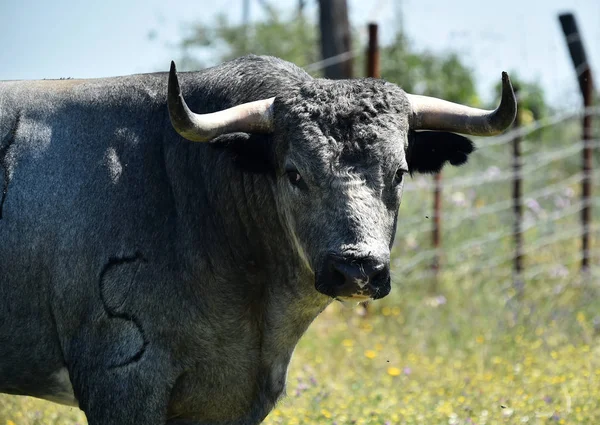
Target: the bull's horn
(430, 113)
(251, 117)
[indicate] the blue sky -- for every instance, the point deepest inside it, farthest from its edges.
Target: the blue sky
(68, 38)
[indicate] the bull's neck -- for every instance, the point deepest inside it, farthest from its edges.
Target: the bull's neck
(233, 229)
(237, 247)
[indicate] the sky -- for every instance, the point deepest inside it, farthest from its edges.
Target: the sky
(74, 38)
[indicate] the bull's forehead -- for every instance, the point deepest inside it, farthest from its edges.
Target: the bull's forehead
(352, 124)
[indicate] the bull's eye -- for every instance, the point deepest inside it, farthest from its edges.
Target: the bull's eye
(399, 176)
(295, 178)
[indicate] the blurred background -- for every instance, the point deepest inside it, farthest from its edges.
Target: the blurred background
(494, 315)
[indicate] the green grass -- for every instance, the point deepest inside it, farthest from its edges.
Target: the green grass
(466, 348)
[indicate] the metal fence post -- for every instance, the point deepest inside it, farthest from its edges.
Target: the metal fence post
(584, 76)
(518, 283)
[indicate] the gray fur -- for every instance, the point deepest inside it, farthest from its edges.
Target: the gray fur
(170, 280)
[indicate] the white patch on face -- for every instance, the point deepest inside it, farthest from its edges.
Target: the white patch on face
(361, 282)
(115, 169)
(63, 389)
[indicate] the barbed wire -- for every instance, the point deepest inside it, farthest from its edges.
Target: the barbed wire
(342, 57)
(461, 270)
(539, 269)
(461, 182)
(411, 221)
(526, 130)
(480, 242)
(454, 221)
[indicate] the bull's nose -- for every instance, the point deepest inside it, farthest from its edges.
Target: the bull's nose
(358, 272)
(347, 277)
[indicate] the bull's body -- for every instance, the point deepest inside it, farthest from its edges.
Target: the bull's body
(148, 279)
(123, 249)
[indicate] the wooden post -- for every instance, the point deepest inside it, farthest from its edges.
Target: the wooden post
(336, 38)
(584, 76)
(373, 53)
(437, 225)
(517, 205)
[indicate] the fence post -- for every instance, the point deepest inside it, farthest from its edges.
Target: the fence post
(518, 283)
(373, 53)
(437, 225)
(584, 76)
(586, 212)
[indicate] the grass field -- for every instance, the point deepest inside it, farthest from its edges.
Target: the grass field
(467, 348)
(471, 358)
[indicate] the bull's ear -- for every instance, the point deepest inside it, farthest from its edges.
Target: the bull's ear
(252, 152)
(428, 151)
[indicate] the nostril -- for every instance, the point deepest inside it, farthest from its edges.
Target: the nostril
(359, 272)
(338, 278)
(380, 274)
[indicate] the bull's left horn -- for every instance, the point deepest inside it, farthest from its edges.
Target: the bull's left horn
(430, 113)
(251, 117)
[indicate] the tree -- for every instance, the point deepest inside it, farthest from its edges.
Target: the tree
(438, 75)
(291, 38)
(295, 38)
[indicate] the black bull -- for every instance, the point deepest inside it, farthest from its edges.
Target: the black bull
(151, 280)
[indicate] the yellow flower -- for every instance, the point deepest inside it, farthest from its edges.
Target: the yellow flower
(480, 339)
(367, 327)
(326, 413)
(581, 317)
(370, 354)
(347, 343)
(393, 371)
(9, 422)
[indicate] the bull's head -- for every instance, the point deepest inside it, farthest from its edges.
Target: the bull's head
(341, 151)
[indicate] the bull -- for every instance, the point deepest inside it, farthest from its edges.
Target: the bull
(150, 280)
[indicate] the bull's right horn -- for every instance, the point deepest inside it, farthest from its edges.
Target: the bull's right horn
(251, 117)
(430, 113)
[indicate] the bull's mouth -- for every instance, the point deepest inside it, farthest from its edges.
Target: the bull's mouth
(354, 299)
(353, 292)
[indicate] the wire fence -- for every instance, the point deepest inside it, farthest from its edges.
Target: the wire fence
(478, 219)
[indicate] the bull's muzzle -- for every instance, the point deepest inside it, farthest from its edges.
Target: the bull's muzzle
(351, 277)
